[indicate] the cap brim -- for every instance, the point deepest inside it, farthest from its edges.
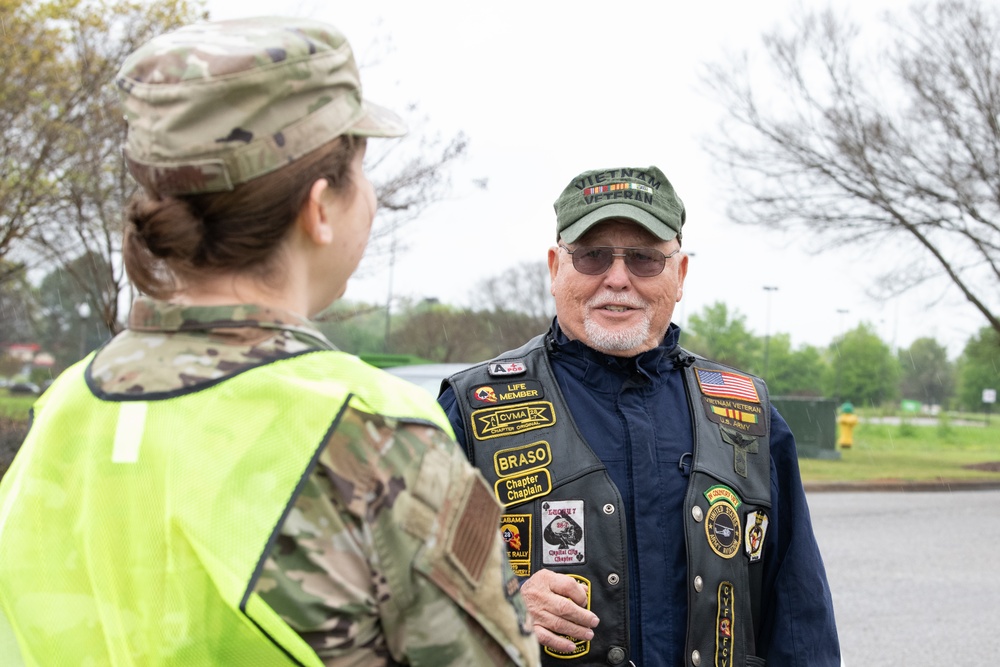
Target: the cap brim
(377, 122)
(654, 225)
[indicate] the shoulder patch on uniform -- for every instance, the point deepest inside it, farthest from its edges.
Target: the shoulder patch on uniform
(726, 384)
(473, 539)
(512, 419)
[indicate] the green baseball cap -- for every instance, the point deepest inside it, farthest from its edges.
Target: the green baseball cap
(643, 195)
(214, 104)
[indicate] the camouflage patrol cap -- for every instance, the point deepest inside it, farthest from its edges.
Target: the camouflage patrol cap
(215, 104)
(643, 195)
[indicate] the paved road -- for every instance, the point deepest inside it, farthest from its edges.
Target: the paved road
(915, 576)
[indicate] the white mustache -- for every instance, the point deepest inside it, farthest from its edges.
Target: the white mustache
(628, 301)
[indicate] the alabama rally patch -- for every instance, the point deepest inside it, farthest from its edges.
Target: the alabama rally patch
(512, 419)
(516, 532)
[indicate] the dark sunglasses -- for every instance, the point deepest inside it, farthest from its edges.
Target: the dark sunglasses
(595, 260)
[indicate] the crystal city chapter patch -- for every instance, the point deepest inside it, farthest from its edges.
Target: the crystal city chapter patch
(562, 533)
(722, 521)
(509, 420)
(725, 626)
(725, 384)
(524, 487)
(501, 368)
(514, 460)
(516, 532)
(508, 392)
(582, 646)
(756, 531)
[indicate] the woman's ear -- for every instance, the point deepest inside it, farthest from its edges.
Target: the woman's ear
(313, 219)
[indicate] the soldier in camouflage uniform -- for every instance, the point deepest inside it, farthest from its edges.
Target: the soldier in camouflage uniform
(218, 485)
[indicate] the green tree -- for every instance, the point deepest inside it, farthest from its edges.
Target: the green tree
(926, 373)
(863, 369)
(18, 307)
(64, 182)
(899, 146)
(979, 368)
(717, 334)
(794, 372)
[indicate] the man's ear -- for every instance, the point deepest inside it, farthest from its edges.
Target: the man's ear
(553, 268)
(313, 219)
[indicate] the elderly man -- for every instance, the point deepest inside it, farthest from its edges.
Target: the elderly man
(653, 508)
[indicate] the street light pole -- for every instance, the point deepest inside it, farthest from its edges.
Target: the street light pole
(767, 327)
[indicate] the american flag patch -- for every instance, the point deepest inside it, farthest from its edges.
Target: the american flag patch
(726, 385)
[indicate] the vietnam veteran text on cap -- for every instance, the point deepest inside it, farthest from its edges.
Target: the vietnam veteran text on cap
(219, 103)
(643, 195)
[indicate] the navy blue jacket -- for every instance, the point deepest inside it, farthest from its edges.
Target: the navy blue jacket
(634, 412)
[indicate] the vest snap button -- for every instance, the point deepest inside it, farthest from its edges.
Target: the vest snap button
(616, 655)
(695, 658)
(613, 579)
(699, 583)
(609, 509)
(697, 513)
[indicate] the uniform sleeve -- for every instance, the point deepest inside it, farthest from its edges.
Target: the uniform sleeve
(392, 555)
(798, 628)
(449, 403)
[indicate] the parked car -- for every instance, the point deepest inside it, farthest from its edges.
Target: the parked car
(23, 389)
(428, 376)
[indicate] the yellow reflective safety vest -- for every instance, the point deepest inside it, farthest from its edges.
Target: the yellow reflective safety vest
(133, 532)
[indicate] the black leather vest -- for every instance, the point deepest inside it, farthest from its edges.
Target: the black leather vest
(562, 511)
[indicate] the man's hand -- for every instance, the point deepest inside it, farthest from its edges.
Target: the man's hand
(558, 606)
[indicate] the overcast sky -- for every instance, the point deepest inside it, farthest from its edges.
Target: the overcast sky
(545, 90)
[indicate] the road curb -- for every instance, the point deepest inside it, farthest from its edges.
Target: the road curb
(905, 486)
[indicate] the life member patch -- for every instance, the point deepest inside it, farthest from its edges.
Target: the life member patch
(563, 540)
(725, 626)
(756, 531)
(516, 532)
(582, 647)
(524, 487)
(510, 420)
(510, 392)
(514, 460)
(501, 368)
(722, 522)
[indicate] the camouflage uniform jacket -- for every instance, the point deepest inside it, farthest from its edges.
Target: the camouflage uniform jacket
(331, 577)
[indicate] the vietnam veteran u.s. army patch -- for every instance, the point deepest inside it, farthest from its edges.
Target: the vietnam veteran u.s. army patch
(722, 521)
(731, 400)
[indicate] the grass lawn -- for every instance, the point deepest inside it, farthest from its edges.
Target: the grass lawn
(908, 452)
(16, 407)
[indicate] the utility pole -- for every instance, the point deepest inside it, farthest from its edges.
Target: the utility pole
(767, 327)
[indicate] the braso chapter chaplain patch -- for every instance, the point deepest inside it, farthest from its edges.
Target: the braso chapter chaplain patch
(722, 521)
